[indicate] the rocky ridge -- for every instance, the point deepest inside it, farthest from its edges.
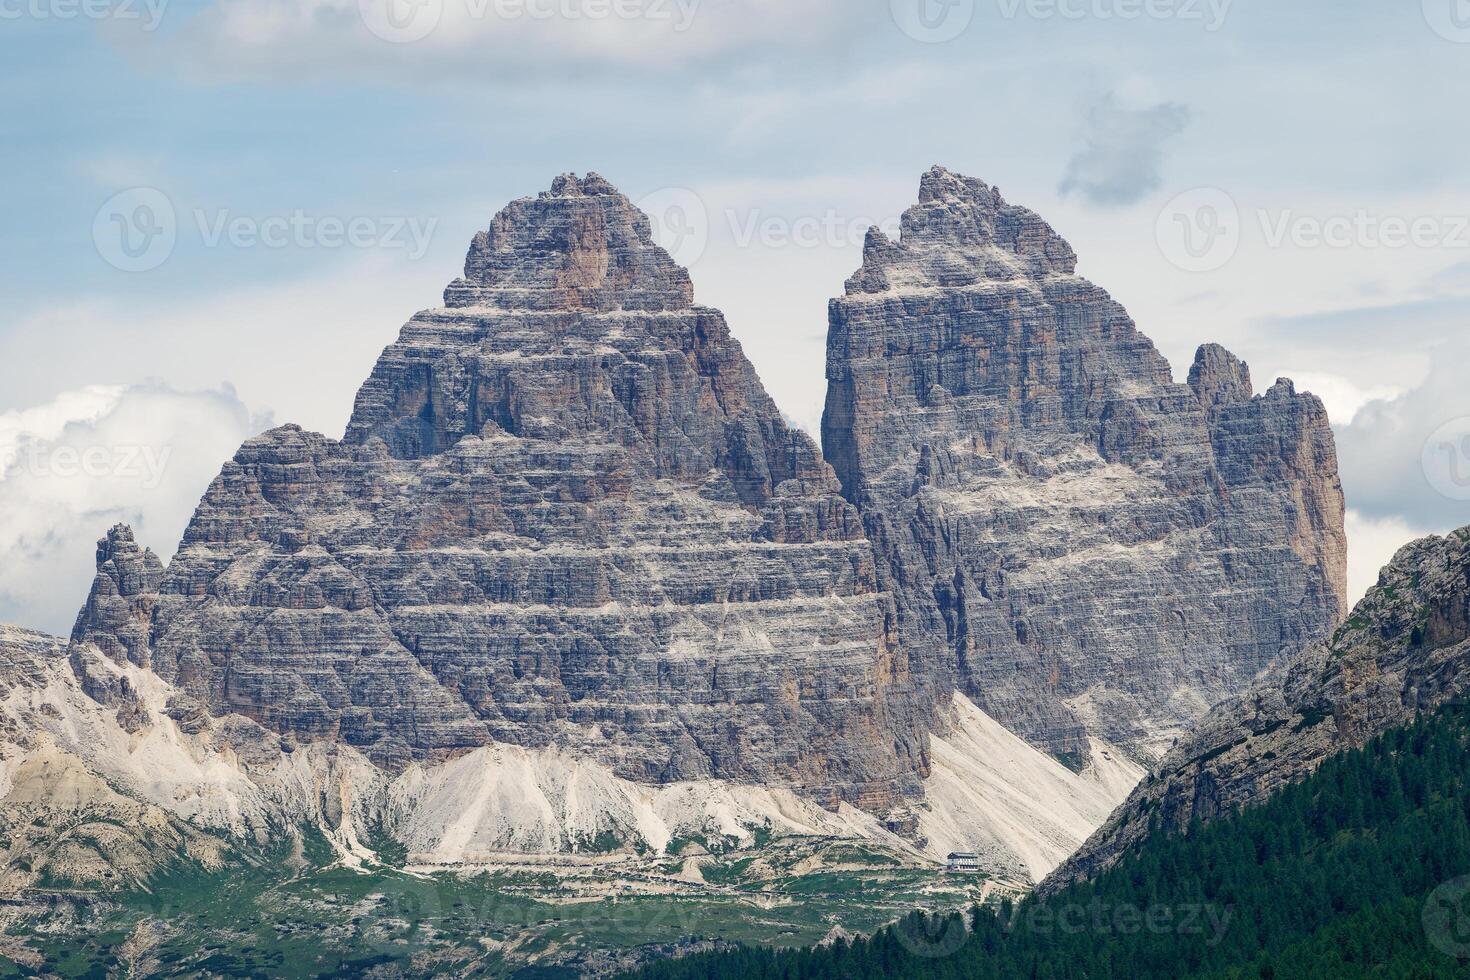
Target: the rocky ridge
(1080, 545)
(565, 513)
(569, 576)
(1405, 649)
(113, 792)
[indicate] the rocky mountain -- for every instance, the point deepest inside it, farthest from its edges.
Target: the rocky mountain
(565, 513)
(1083, 547)
(1404, 650)
(570, 582)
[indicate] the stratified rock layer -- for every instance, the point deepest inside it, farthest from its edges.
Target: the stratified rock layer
(565, 513)
(1076, 542)
(1405, 649)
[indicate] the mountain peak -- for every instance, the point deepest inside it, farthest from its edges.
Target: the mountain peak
(961, 233)
(1219, 377)
(570, 185)
(580, 245)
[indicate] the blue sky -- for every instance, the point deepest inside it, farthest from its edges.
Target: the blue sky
(783, 128)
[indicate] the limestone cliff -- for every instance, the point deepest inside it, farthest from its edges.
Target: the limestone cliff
(1078, 543)
(1405, 649)
(565, 513)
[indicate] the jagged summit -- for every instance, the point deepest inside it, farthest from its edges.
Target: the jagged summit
(580, 246)
(1083, 546)
(567, 519)
(961, 233)
(570, 321)
(1218, 377)
(118, 608)
(565, 514)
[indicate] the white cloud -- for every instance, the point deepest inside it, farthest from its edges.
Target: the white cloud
(1122, 154)
(480, 39)
(1341, 395)
(299, 348)
(1386, 471)
(74, 466)
(1372, 543)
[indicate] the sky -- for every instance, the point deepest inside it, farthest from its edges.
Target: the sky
(218, 212)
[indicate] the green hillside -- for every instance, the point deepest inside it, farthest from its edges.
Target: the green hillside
(1362, 870)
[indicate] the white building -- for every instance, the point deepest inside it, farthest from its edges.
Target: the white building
(963, 861)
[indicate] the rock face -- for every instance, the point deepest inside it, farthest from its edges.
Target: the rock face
(1076, 542)
(569, 574)
(565, 513)
(1405, 649)
(63, 824)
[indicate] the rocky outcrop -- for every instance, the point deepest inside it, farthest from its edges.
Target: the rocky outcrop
(1404, 650)
(565, 514)
(62, 824)
(569, 573)
(1073, 540)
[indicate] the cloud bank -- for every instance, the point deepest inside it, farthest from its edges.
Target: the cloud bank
(523, 40)
(72, 467)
